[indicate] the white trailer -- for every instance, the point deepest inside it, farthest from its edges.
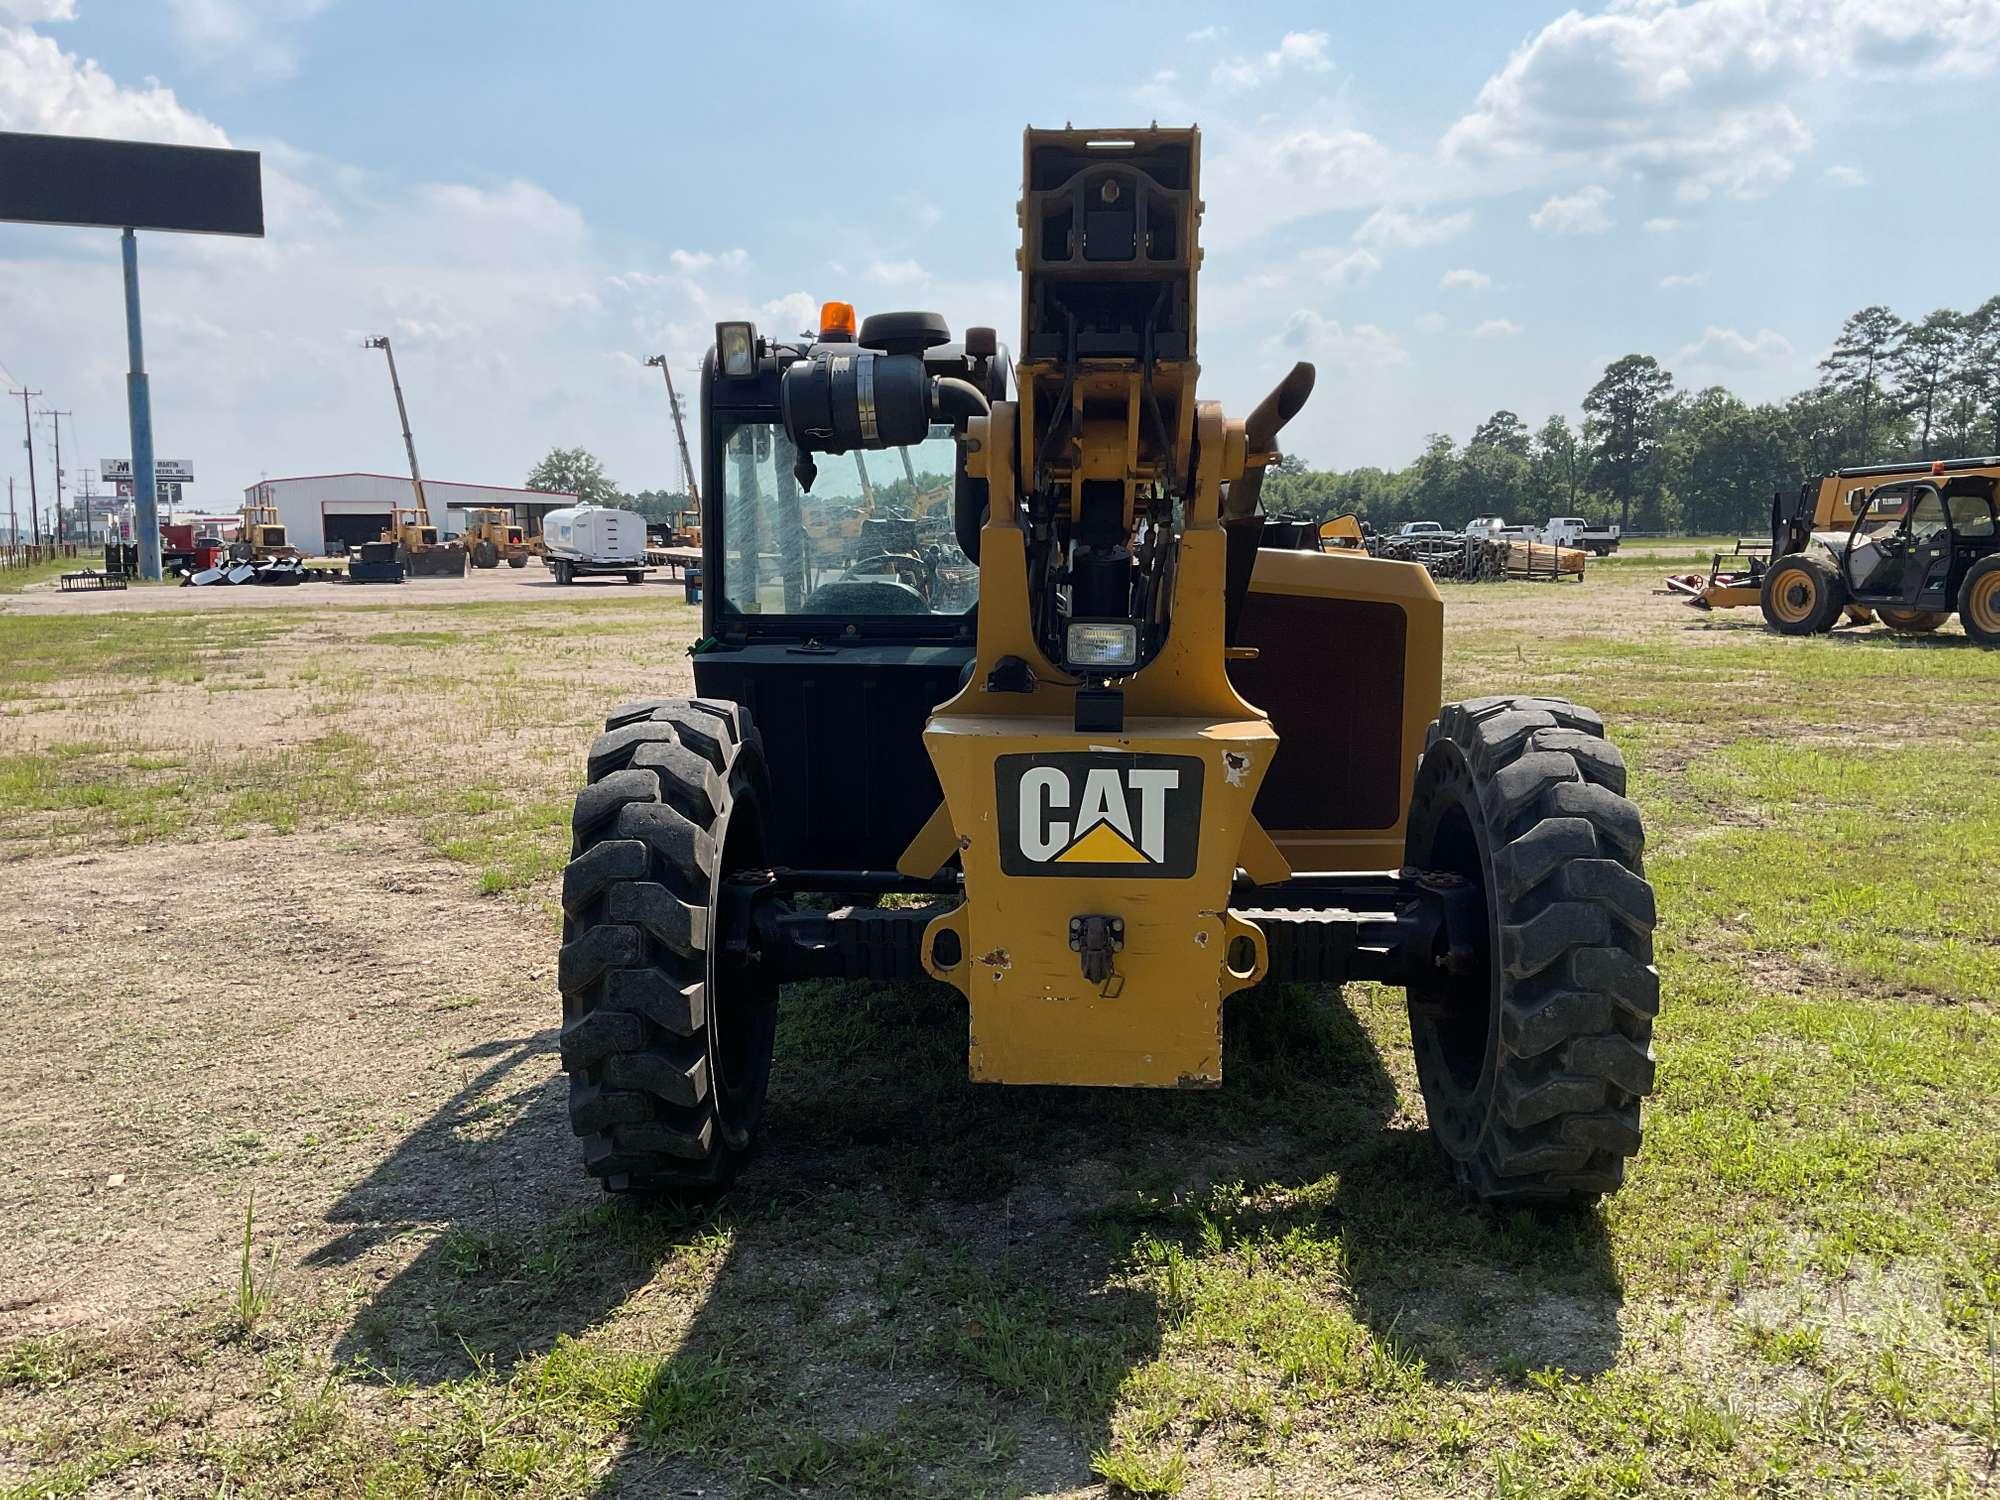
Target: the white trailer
(588, 541)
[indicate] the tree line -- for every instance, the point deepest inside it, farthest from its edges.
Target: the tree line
(1655, 457)
(1649, 454)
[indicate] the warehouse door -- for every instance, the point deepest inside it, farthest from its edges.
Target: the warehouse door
(346, 528)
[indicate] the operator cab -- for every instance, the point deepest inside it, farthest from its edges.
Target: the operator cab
(1912, 541)
(859, 546)
(839, 603)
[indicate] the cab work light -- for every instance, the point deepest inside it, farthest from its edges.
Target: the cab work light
(1102, 644)
(736, 346)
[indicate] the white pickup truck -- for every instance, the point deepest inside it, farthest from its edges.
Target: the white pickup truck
(1575, 531)
(1421, 529)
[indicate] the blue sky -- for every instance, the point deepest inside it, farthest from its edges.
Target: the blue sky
(1448, 208)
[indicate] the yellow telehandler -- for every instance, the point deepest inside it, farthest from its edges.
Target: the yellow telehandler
(1158, 765)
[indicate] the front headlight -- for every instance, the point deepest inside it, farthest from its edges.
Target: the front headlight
(736, 347)
(1102, 644)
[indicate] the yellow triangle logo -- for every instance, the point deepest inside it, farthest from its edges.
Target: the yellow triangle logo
(1103, 845)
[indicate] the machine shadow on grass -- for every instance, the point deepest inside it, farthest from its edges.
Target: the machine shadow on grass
(929, 1286)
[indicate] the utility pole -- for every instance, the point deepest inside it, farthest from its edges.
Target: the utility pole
(139, 406)
(58, 416)
(381, 342)
(680, 433)
(13, 526)
(28, 434)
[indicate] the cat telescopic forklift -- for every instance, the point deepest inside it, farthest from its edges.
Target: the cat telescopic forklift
(1909, 544)
(1154, 764)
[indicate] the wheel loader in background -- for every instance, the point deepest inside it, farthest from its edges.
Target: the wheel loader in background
(419, 548)
(493, 536)
(1157, 764)
(261, 537)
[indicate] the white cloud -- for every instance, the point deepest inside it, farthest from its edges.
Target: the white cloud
(1432, 322)
(792, 313)
(29, 12)
(1725, 346)
(1161, 90)
(1343, 268)
(1465, 279)
(1300, 49)
(1206, 34)
(1701, 94)
(239, 37)
(1496, 328)
(694, 262)
(1402, 229)
(1255, 179)
(1662, 226)
(1361, 346)
(512, 331)
(1683, 279)
(43, 88)
(1297, 51)
(1580, 212)
(1843, 175)
(896, 273)
(918, 213)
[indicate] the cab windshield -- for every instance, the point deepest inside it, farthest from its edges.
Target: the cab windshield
(874, 537)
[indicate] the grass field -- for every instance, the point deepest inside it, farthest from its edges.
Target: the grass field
(288, 1203)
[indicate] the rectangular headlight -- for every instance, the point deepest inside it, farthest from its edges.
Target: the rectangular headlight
(1102, 643)
(736, 347)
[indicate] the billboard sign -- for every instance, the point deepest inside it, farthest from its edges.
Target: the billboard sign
(178, 470)
(169, 492)
(73, 179)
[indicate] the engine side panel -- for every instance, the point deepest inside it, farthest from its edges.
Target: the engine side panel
(1350, 669)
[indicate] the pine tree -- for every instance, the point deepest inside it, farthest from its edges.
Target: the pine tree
(1924, 363)
(1859, 362)
(1624, 422)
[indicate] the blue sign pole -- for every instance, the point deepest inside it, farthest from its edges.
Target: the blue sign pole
(145, 492)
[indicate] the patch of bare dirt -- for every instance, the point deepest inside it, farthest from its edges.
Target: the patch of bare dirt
(183, 1029)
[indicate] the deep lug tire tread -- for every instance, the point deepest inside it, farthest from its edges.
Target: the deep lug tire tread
(1554, 1115)
(662, 780)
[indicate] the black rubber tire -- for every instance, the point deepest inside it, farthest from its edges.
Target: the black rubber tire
(561, 570)
(635, 577)
(666, 1040)
(1533, 1066)
(518, 560)
(1979, 601)
(1801, 596)
(485, 554)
